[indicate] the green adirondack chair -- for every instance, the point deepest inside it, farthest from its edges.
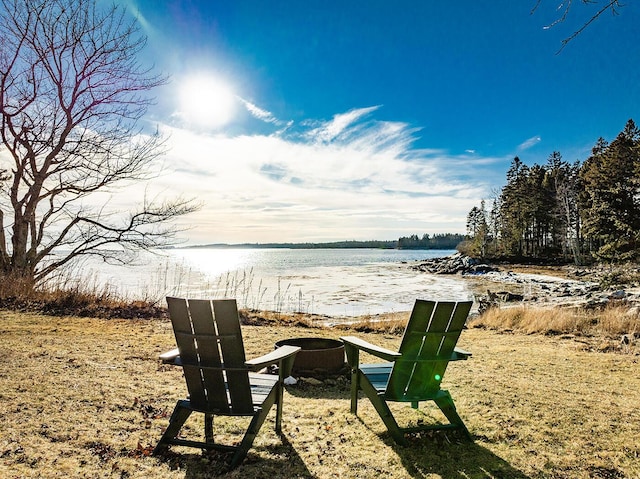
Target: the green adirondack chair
(415, 372)
(219, 379)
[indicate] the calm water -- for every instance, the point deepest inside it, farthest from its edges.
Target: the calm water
(336, 282)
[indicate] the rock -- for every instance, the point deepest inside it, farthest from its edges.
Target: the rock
(504, 296)
(311, 381)
(480, 269)
(290, 381)
(588, 291)
(619, 294)
(454, 264)
(594, 303)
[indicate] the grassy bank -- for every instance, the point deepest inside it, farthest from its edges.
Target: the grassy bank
(88, 398)
(615, 328)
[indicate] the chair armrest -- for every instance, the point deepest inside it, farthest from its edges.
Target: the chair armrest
(460, 354)
(274, 357)
(172, 357)
(362, 345)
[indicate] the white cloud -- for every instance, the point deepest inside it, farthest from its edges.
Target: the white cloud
(259, 113)
(352, 177)
(332, 130)
(530, 143)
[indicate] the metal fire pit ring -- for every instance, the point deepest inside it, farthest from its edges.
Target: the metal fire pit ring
(316, 354)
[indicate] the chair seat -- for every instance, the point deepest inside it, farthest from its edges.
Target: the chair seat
(378, 374)
(261, 386)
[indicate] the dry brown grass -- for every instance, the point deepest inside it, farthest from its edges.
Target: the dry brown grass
(604, 326)
(78, 298)
(88, 398)
(535, 320)
(617, 320)
(386, 323)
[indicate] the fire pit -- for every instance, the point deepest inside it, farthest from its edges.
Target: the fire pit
(316, 355)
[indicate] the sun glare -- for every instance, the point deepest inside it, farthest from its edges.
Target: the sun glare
(205, 101)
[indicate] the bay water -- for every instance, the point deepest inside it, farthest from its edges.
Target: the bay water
(334, 282)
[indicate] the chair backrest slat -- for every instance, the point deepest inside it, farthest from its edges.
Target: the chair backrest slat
(183, 331)
(232, 347)
(208, 354)
(209, 343)
(410, 348)
(427, 345)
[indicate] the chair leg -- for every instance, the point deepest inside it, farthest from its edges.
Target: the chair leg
(279, 398)
(284, 371)
(383, 410)
(448, 408)
(355, 386)
(208, 428)
(254, 426)
(179, 416)
(249, 437)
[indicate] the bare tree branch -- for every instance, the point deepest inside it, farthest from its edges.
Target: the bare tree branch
(72, 93)
(565, 6)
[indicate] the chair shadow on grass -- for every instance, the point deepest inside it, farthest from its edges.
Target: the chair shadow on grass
(447, 453)
(284, 462)
(450, 455)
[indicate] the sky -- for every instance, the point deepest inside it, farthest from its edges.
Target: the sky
(321, 121)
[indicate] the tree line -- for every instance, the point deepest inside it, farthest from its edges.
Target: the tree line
(437, 241)
(581, 212)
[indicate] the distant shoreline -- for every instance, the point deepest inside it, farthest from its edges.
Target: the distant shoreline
(330, 245)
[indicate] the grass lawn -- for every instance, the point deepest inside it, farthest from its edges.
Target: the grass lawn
(89, 398)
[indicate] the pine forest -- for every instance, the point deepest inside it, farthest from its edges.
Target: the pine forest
(579, 212)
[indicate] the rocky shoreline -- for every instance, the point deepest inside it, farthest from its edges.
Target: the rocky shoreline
(567, 286)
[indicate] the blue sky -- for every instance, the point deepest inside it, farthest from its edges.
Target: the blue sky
(321, 121)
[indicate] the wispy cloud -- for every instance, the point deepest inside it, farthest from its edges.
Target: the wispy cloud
(350, 177)
(337, 128)
(259, 113)
(530, 143)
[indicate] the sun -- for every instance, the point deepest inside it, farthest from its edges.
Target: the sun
(206, 101)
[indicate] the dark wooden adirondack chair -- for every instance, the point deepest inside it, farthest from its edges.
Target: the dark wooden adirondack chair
(219, 379)
(416, 370)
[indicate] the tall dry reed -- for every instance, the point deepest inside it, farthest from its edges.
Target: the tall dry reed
(611, 321)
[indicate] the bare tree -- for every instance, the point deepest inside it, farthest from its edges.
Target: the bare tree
(72, 94)
(564, 7)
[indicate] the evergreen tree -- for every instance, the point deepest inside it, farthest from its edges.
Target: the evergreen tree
(478, 231)
(513, 209)
(564, 184)
(610, 201)
(495, 226)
